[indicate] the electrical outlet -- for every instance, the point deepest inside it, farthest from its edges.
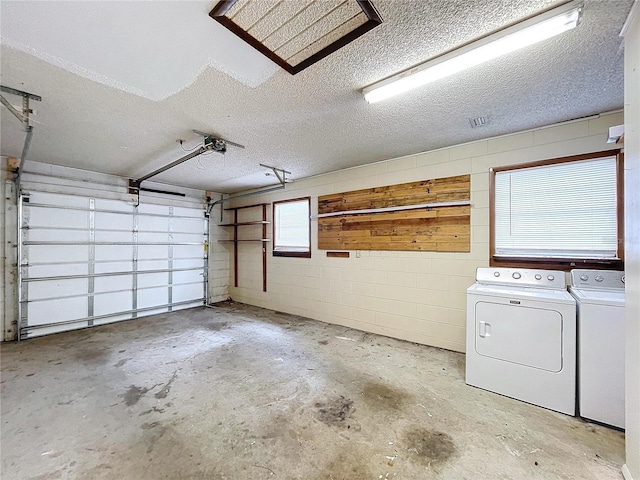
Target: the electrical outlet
(357, 253)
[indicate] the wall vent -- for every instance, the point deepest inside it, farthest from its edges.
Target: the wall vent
(480, 121)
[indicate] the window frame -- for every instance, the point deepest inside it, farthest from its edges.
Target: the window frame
(566, 263)
(284, 253)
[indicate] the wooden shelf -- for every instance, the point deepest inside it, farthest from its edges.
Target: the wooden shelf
(235, 240)
(246, 240)
(258, 222)
(247, 206)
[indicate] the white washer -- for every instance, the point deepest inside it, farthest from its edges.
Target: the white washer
(600, 301)
(521, 336)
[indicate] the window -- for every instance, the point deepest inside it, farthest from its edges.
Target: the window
(292, 228)
(558, 213)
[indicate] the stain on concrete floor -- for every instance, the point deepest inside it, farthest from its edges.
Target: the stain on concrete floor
(379, 396)
(134, 394)
(238, 392)
(335, 412)
(428, 447)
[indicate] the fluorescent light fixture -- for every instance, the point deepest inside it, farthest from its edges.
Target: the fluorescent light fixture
(522, 34)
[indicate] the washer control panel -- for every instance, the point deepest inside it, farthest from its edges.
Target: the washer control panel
(598, 279)
(521, 277)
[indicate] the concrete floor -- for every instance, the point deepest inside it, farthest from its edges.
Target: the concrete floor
(237, 392)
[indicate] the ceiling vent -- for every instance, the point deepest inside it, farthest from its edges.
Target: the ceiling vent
(297, 34)
(480, 121)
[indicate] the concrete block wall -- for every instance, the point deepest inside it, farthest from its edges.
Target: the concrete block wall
(416, 296)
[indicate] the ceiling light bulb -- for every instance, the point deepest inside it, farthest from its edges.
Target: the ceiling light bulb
(528, 32)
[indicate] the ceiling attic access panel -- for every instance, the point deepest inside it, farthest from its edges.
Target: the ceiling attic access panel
(295, 35)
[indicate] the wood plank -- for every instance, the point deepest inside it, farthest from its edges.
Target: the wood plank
(396, 195)
(445, 229)
(338, 254)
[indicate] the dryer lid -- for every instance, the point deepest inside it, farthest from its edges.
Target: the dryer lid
(528, 293)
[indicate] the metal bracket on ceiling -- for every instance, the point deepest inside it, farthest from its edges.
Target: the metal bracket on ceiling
(280, 174)
(23, 117)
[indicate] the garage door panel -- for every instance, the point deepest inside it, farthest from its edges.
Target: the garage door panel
(188, 225)
(144, 265)
(153, 237)
(110, 303)
(152, 252)
(113, 283)
(189, 276)
(188, 251)
(152, 279)
(188, 263)
(188, 212)
(55, 235)
(48, 253)
(111, 319)
(56, 217)
(150, 208)
(113, 252)
(150, 297)
(119, 205)
(153, 224)
(183, 293)
(58, 328)
(114, 237)
(57, 288)
(188, 238)
(45, 198)
(58, 310)
(114, 221)
(126, 260)
(112, 267)
(67, 269)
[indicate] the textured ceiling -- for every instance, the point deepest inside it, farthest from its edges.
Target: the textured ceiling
(314, 122)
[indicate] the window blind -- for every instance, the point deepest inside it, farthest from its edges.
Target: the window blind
(292, 226)
(562, 210)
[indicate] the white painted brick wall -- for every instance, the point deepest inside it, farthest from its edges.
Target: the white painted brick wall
(417, 296)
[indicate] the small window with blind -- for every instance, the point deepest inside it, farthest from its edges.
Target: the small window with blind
(558, 213)
(292, 228)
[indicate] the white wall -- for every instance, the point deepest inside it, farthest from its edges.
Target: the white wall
(632, 240)
(417, 296)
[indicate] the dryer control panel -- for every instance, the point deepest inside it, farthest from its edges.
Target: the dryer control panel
(523, 277)
(597, 279)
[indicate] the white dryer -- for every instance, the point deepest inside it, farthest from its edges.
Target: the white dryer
(521, 336)
(601, 316)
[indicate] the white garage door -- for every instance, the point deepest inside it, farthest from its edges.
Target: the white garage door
(88, 261)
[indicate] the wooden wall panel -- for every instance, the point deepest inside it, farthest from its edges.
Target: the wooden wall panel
(441, 229)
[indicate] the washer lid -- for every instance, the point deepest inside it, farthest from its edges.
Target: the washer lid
(614, 298)
(528, 293)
